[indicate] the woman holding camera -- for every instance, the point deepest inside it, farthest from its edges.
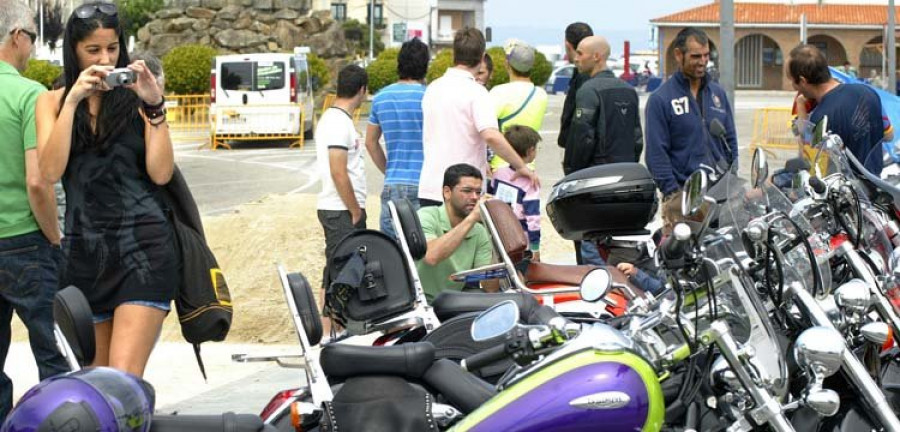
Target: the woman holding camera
(105, 135)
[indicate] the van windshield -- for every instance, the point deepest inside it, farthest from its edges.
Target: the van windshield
(253, 76)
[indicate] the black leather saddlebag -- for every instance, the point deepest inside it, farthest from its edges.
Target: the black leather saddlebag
(378, 404)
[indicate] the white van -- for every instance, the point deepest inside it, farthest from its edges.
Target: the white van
(261, 94)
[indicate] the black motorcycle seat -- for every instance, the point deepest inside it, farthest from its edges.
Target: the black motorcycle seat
(880, 184)
(449, 304)
(409, 360)
(462, 389)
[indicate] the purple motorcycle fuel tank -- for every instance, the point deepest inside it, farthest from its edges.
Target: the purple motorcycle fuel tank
(604, 388)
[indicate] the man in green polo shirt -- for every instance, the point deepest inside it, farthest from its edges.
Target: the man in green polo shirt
(29, 231)
(457, 240)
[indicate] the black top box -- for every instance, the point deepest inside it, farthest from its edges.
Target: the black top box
(604, 200)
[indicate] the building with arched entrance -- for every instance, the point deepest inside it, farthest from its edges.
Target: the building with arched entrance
(766, 32)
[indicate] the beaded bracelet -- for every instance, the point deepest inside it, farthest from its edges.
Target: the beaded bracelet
(155, 111)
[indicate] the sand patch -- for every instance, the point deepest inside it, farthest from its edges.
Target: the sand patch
(283, 229)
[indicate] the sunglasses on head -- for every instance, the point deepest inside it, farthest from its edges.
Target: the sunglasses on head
(89, 10)
(31, 35)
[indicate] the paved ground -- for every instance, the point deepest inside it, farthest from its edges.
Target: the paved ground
(221, 180)
(224, 179)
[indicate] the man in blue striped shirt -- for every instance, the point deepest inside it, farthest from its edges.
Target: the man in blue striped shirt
(397, 114)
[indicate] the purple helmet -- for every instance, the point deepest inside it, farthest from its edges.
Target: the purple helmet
(95, 399)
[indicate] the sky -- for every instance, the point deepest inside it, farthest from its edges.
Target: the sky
(543, 22)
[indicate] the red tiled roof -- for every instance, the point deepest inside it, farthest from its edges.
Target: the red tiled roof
(774, 13)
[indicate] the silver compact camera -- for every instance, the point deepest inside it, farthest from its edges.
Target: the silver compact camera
(119, 77)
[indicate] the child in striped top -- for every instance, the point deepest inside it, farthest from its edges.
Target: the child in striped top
(520, 192)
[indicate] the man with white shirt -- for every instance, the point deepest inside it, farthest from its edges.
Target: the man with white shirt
(459, 119)
(340, 157)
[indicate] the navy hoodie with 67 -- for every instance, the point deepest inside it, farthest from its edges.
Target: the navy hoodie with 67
(677, 137)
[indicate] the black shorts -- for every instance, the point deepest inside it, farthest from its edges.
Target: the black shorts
(337, 224)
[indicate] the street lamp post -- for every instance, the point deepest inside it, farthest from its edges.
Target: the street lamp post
(891, 49)
(372, 30)
(726, 49)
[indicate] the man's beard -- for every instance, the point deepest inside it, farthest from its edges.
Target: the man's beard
(461, 211)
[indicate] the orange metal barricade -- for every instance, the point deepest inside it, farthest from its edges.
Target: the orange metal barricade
(193, 115)
(257, 123)
(772, 130)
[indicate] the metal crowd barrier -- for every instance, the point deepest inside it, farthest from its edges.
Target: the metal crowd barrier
(257, 123)
(190, 115)
(772, 130)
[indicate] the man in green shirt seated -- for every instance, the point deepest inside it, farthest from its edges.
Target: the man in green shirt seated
(457, 240)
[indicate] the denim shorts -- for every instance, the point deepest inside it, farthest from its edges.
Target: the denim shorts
(106, 316)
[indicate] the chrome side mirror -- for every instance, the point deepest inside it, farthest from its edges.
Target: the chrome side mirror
(692, 196)
(759, 169)
(853, 297)
(595, 285)
(819, 350)
(497, 321)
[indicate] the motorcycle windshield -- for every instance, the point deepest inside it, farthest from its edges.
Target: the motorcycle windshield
(833, 163)
(734, 299)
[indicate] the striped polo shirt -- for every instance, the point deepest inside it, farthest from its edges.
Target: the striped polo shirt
(397, 110)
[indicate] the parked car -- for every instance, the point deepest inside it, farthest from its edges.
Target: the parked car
(559, 79)
(261, 94)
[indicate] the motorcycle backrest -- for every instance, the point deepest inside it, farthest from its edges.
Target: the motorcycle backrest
(307, 308)
(75, 320)
(411, 228)
(510, 238)
(387, 289)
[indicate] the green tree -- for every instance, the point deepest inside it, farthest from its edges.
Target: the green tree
(442, 61)
(383, 71)
(187, 69)
(43, 72)
(359, 33)
(321, 74)
(539, 74)
(541, 70)
(500, 75)
(137, 13)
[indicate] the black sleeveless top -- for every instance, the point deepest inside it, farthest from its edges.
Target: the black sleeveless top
(119, 243)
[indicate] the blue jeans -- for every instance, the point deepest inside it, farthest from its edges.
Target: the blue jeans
(590, 255)
(391, 192)
(28, 282)
(106, 316)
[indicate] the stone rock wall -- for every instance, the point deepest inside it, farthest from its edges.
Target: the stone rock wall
(243, 26)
